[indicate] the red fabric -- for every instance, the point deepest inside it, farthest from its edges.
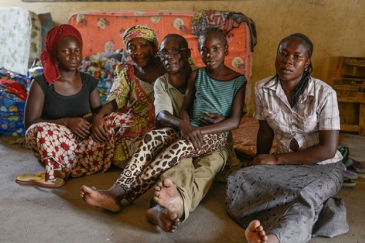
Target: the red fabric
(15, 87)
(54, 36)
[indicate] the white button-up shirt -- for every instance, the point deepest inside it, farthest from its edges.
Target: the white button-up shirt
(317, 109)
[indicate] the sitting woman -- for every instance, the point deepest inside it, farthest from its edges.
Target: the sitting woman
(57, 102)
(132, 93)
(287, 196)
(71, 150)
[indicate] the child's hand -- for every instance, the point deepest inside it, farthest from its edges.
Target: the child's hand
(210, 119)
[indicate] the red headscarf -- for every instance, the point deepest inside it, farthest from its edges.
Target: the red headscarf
(54, 36)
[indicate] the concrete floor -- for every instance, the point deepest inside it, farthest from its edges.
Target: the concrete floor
(35, 214)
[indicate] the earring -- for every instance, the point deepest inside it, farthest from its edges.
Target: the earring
(155, 53)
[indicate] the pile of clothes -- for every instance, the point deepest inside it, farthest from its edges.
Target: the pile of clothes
(13, 94)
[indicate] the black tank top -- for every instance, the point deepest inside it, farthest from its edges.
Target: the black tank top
(58, 106)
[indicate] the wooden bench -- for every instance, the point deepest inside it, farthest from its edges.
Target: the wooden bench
(349, 83)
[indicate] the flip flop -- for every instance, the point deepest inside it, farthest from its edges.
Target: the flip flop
(348, 183)
(358, 166)
(347, 162)
(344, 151)
(38, 180)
(345, 154)
(349, 174)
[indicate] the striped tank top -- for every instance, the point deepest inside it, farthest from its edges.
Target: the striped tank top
(214, 96)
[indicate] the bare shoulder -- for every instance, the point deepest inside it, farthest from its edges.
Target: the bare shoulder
(231, 74)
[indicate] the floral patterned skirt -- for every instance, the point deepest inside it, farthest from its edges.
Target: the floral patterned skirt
(57, 147)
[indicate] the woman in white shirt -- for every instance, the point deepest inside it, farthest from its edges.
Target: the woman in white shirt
(286, 196)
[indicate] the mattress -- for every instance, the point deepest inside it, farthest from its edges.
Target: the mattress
(20, 39)
(102, 32)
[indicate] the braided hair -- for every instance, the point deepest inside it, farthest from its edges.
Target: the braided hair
(299, 89)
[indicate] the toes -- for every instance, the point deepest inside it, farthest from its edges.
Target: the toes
(254, 225)
(166, 182)
(176, 222)
(262, 233)
(260, 228)
(158, 185)
(157, 189)
(156, 194)
(86, 189)
(67, 172)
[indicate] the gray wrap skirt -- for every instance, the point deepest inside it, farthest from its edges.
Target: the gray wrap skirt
(294, 202)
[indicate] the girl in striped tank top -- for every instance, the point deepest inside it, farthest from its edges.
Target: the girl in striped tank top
(215, 89)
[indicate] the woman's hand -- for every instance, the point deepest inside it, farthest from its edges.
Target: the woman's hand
(99, 129)
(210, 119)
(79, 126)
(265, 159)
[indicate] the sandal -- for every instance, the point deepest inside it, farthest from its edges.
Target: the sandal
(348, 183)
(349, 174)
(38, 180)
(358, 166)
(345, 154)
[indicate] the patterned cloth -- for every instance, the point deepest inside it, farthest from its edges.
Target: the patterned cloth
(140, 31)
(294, 202)
(317, 110)
(48, 57)
(133, 96)
(225, 21)
(57, 147)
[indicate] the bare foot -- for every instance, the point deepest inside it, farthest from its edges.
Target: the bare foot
(109, 199)
(162, 217)
(167, 195)
(255, 233)
(64, 173)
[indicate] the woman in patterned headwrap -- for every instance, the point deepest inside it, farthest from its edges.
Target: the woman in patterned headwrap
(57, 114)
(132, 93)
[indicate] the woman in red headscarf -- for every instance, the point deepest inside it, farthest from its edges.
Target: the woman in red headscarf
(57, 113)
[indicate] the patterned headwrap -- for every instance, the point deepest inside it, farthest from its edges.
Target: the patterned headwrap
(140, 31)
(54, 36)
